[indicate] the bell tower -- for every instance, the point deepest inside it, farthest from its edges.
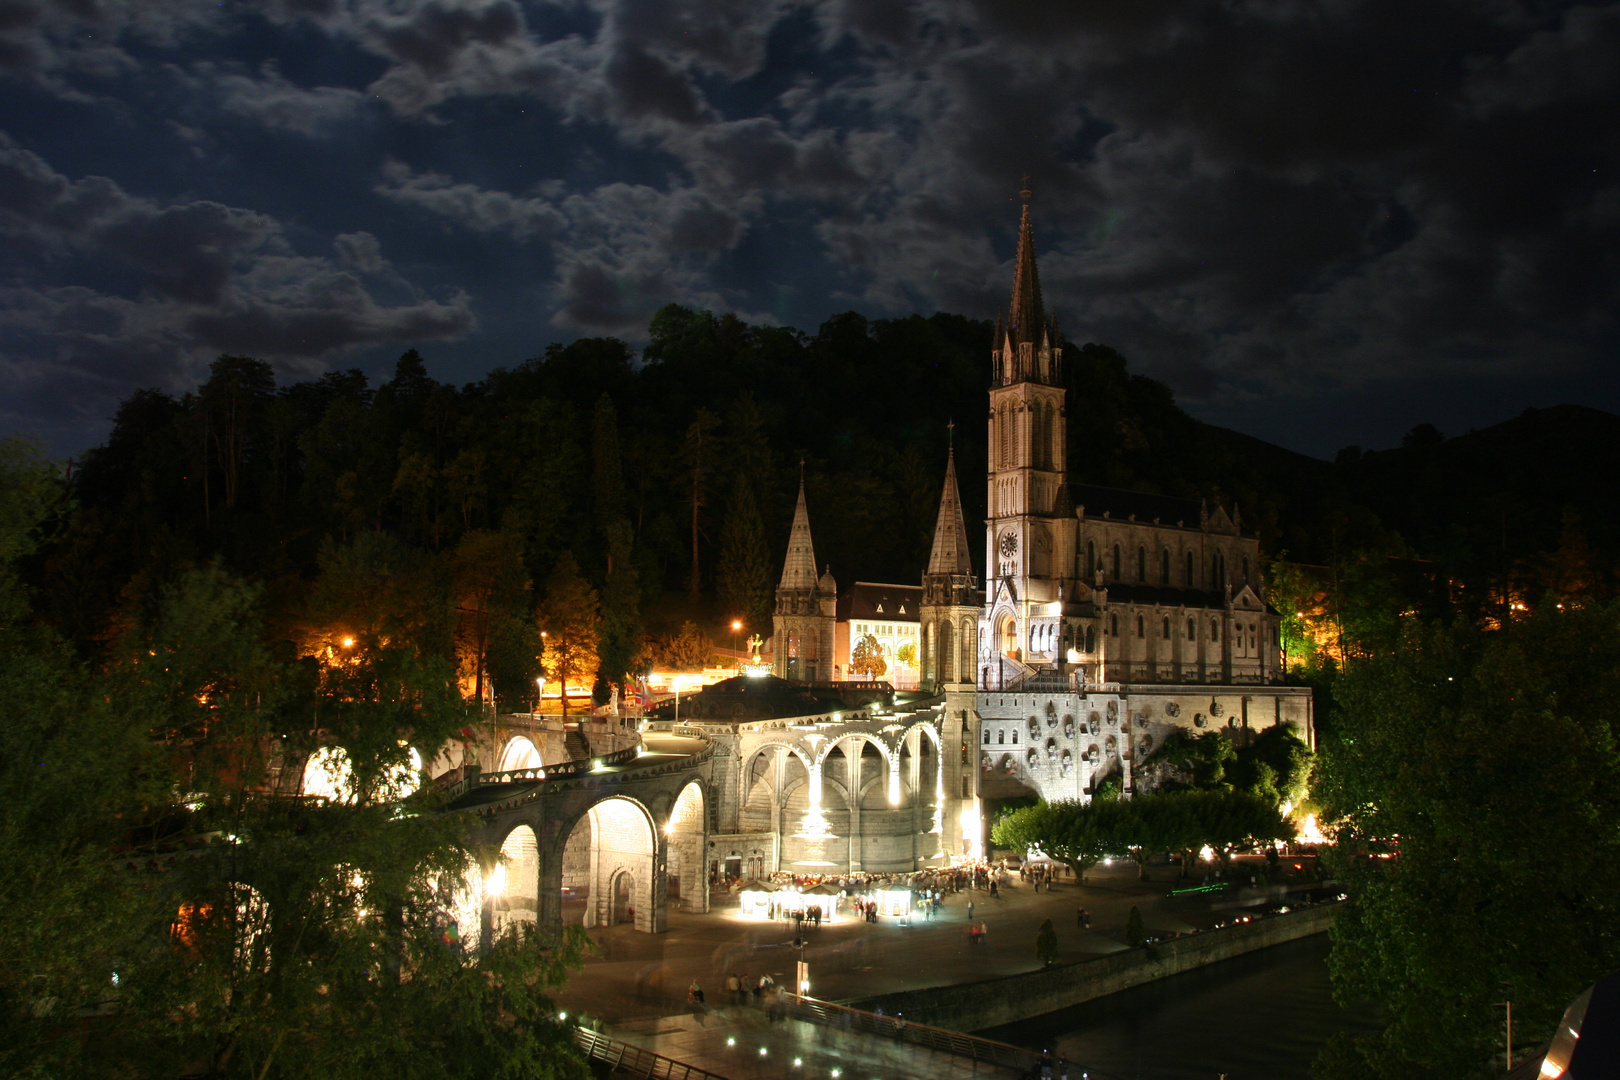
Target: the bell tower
(1029, 525)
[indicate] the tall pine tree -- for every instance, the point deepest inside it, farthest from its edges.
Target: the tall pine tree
(621, 589)
(744, 574)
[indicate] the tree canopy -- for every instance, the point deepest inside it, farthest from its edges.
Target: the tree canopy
(1475, 780)
(173, 905)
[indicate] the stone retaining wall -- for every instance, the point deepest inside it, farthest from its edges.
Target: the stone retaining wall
(979, 1005)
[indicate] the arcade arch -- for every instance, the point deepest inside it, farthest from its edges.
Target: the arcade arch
(520, 753)
(687, 838)
(327, 775)
(514, 884)
(613, 863)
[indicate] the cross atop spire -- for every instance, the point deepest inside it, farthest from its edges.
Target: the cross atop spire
(1026, 315)
(799, 569)
(950, 554)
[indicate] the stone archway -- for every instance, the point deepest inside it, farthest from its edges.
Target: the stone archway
(520, 753)
(687, 834)
(621, 898)
(514, 891)
(615, 837)
(1007, 635)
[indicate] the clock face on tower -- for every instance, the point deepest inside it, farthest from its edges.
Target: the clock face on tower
(1009, 545)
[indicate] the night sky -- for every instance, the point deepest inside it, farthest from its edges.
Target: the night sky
(1320, 222)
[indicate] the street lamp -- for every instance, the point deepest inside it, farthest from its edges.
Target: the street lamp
(736, 628)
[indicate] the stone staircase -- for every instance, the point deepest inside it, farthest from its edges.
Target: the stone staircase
(576, 744)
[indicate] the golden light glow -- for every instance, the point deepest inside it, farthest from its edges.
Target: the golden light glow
(1310, 832)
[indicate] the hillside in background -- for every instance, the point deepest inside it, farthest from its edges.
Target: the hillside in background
(680, 466)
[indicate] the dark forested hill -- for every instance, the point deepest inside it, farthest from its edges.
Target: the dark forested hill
(681, 465)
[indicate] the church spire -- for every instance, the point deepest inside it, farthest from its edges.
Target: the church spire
(1026, 315)
(799, 571)
(950, 554)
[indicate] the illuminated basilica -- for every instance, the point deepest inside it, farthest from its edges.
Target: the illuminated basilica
(1106, 619)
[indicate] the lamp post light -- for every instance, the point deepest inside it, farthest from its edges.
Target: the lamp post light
(736, 628)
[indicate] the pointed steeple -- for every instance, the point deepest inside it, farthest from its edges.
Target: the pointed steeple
(799, 571)
(1026, 315)
(950, 554)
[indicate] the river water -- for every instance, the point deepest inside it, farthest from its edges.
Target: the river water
(1262, 1016)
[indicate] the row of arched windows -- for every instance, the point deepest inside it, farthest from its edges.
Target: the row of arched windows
(1165, 628)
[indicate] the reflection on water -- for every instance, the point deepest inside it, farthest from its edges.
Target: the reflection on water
(1257, 1017)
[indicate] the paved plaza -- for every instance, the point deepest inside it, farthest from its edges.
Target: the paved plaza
(742, 1043)
(637, 977)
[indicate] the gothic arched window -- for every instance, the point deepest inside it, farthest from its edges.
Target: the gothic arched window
(1214, 630)
(1113, 625)
(1192, 629)
(987, 736)
(1164, 566)
(1141, 564)
(1118, 574)
(1141, 627)
(1167, 628)
(1004, 424)
(1091, 639)
(1189, 580)
(1091, 560)
(1245, 569)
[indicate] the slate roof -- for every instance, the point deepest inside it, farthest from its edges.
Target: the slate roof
(1120, 504)
(864, 598)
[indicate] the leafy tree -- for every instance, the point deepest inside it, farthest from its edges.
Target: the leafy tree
(687, 650)
(1276, 764)
(1491, 756)
(31, 491)
(697, 458)
(1185, 760)
(230, 409)
(1046, 944)
(866, 658)
(494, 632)
(907, 654)
(1074, 833)
(571, 620)
(621, 593)
(158, 879)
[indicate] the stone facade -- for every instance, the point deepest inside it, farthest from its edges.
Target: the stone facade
(848, 786)
(1111, 618)
(804, 623)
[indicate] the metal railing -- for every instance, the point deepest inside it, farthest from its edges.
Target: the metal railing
(634, 1061)
(898, 1027)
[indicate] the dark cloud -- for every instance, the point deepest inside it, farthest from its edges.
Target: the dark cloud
(186, 281)
(643, 85)
(1256, 200)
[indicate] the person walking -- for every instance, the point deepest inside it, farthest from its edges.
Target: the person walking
(970, 911)
(734, 988)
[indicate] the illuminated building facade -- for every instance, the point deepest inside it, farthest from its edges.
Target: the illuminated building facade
(1110, 618)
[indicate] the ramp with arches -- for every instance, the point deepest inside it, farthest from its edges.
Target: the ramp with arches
(605, 840)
